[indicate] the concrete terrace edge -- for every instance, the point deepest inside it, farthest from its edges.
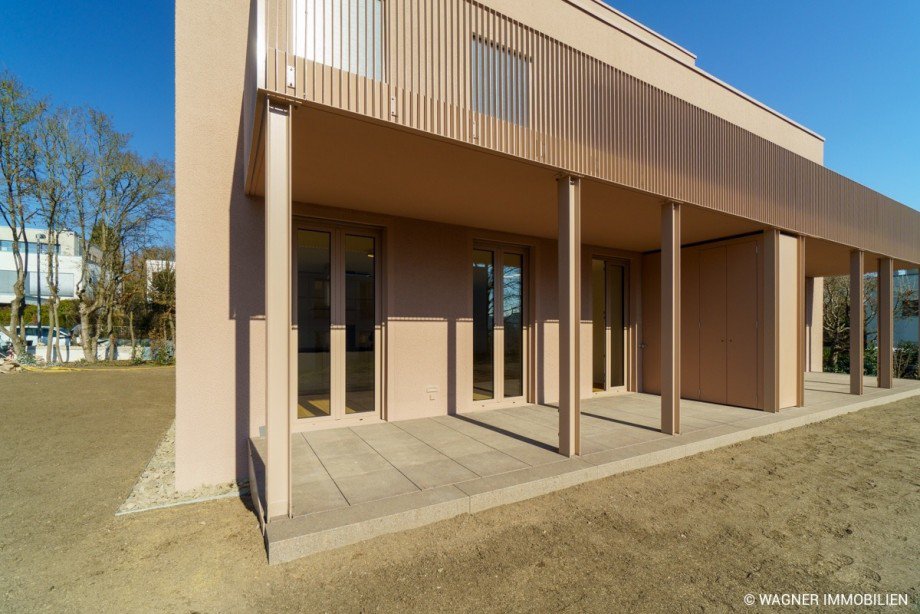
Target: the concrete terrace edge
(287, 539)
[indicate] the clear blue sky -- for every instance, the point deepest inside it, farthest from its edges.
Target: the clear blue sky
(847, 72)
(116, 56)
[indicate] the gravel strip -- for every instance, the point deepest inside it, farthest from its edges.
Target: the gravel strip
(156, 487)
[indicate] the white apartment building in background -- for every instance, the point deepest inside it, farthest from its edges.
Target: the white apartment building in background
(69, 259)
(152, 267)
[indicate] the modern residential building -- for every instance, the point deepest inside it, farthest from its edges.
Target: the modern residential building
(154, 267)
(69, 263)
(397, 210)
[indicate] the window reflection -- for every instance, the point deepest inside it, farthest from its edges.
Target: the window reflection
(513, 313)
(360, 324)
(483, 325)
(313, 323)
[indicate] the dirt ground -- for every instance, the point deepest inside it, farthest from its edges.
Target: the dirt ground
(833, 507)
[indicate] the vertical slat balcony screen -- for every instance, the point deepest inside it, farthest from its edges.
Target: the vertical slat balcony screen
(462, 71)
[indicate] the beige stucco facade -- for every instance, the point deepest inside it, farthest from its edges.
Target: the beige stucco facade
(219, 229)
(247, 152)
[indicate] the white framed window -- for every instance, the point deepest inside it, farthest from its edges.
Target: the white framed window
(34, 247)
(7, 279)
(34, 281)
(66, 285)
(344, 34)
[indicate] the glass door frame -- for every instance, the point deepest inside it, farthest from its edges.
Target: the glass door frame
(610, 261)
(498, 338)
(337, 336)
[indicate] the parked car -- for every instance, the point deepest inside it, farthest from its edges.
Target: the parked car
(32, 336)
(35, 335)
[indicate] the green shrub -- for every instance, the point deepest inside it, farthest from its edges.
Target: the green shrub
(905, 364)
(870, 358)
(137, 358)
(161, 349)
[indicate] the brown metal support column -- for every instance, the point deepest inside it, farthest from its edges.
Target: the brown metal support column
(885, 323)
(670, 318)
(857, 322)
(569, 190)
(800, 325)
(277, 309)
(771, 320)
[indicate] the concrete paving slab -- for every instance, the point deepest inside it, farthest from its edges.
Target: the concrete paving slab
(305, 465)
(446, 440)
(374, 485)
(353, 483)
(330, 443)
(490, 462)
(309, 497)
(520, 427)
(360, 462)
(533, 456)
(398, 446)
(523, 448)
(436, 473)
(476, 456)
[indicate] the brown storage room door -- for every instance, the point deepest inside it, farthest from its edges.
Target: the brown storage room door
(713, 303)
(690, 324)
(741, 329)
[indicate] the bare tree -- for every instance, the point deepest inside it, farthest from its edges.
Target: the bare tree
(19, 113)
(133, 297)
(837, 316)
(72, 170)
(837, 323)
(905, 363)
(56, 154)
(127, 197)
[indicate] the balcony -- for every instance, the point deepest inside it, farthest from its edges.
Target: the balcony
(458, 70)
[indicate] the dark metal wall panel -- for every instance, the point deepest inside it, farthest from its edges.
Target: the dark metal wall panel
(582, 116)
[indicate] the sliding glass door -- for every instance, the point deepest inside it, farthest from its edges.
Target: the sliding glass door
(483, 324)
(609, 325)
(512, 301)
(499, 323)
(314, 323)
(337, 317)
